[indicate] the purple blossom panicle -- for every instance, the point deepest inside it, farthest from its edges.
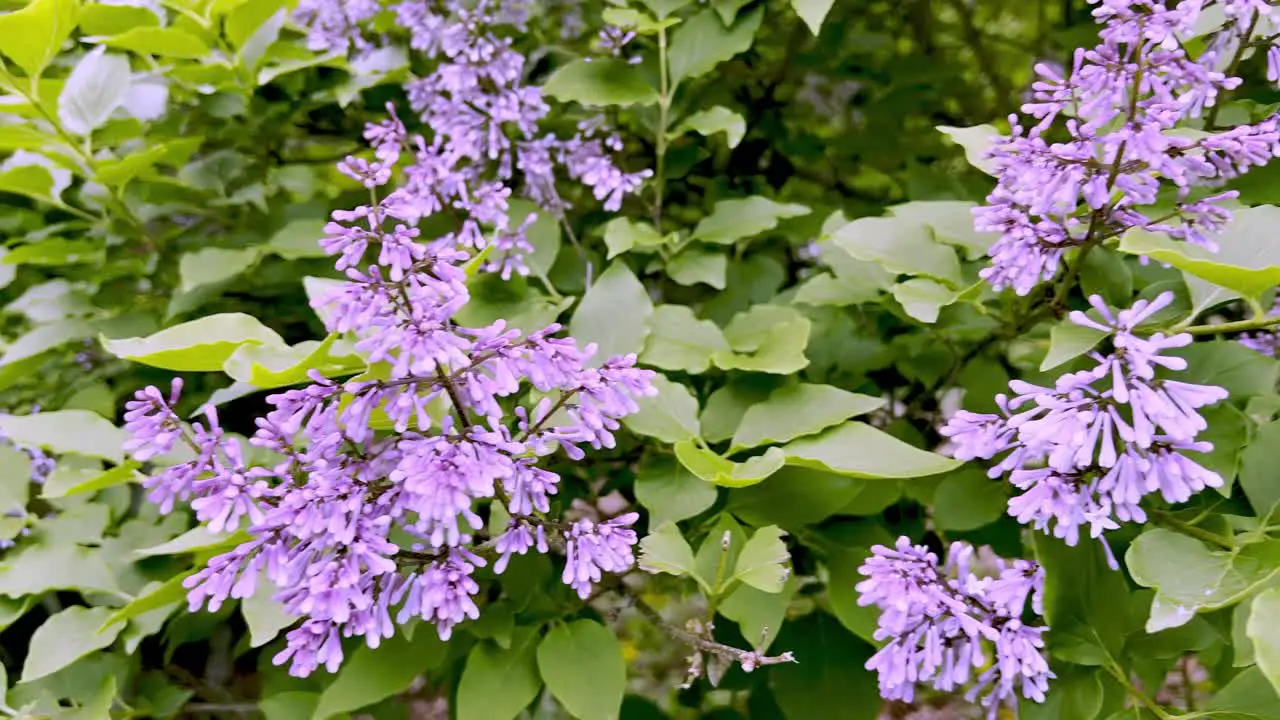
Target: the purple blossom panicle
(1118, 108)
(484, 141)
(1087, 450)
(446, 420)
(938, 624)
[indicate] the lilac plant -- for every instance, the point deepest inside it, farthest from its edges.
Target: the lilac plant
(958, 627)
(1086, 451)
(485, 142)
(1101, 143)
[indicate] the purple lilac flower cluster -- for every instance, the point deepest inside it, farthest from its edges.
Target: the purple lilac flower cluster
(1266, 342)
(1087, 450)
(354, 521)
(939, 623)
(484, 125)
(1101, 141)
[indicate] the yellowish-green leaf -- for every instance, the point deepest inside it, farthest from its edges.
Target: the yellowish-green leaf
(800, 409)
(199, 346)
(859, 450)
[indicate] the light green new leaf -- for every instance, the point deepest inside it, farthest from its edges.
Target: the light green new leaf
(200, 345)
(670, 416)
(40, 568)
(976, 141)
(1205, 295)
(79, 432)
(733, 220)
(901, 246)
(100, 19)
(371, 676)
(544, 234)
(717, 119)
(762, 564)
(923, 298)
(663, 8)
(269, 366)
(1249, 696)
(952, 223)
(859, 450)
(33, 181)
(196, 539)
(498, 683)
(1264, 632)
(766, 338)
(117, 475)
(796, 410)
(34, 34)
(699, 265)
(824, 289)
(759, 614)
(264, 615)
(97, 85)
(298, 239)
(622, 234)
(641, 22)
(680, 341)
(665, 550)
(721, 471)
(21, 137)
(813, 12)
(46, 337)
(65, 638)
(582, 665)
(54, 251)
(614, 313)
(118, 172)
(167, 593)
(211, 265)
(703, 42)
(1248, 257)
(171, 42)
(1067, 341)
(670, 491)
(600, 81)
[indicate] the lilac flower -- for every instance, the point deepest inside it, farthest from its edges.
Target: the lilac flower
(591, 550)
(1120, 105)
(937, 625)
(1086, 451)
(1266, 342)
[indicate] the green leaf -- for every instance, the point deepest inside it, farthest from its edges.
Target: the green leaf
(293, 705)
(813, 12)
(680, 341)
(117, 475)
(733, 220)
(718, 553)
(67, 431)
(923, 298)
(967, 499)
(95, 88)
(33, 181)
(211, 265)
(264, 615)
(671, 492)
(21, 137)
(703, 42)
(373, 675)
(197, 539)
(34, 35)
(167, 593)
(1264, 632)
(766, 338)
(1081, 595)
(200, 345)
(46, 337)
(759, 614)
(762, 564)
(581, 662)
(901, 246)
(1248, 695)
(1258, 469)
(829, 672)
(268, 366)
(57, 251)
(498, 683)
(1226, 363)
(119, 172)
(670, 416)
(794, 497)
(716, 119)
(699, 265)
(662, 8)
(717, 470)
(298, 239)
(951, 222)
(1247, 260)
(1241, 645)
(1191, 576)
(622, 234)
(824, 289)
(1076, 693)
(976, 141)
(99, 19)
(1068, 341)
(614, 313)
(544, 234)
(795, 410)
(729, 404)
(42, 567)
(65, 638)
(600, 81)
(1104, 272)
(859, 450)
(665, 550)
(171, 42)
(1205, 295)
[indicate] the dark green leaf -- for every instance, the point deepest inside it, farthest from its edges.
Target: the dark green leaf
(581, 663)
(600, 81)
(703, 42)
